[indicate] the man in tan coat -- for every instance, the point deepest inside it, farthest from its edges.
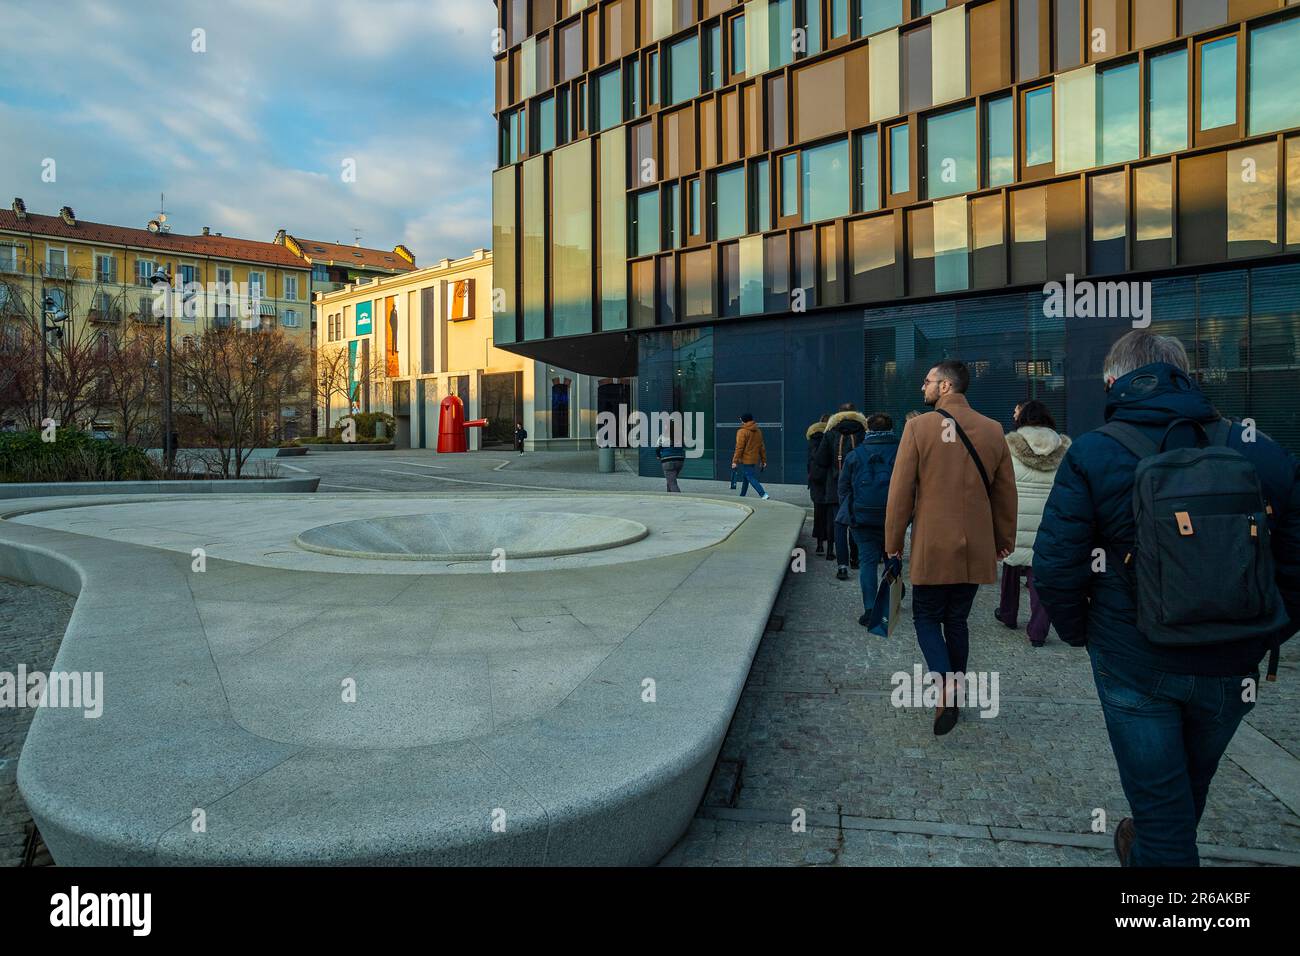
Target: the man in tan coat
(961, 504)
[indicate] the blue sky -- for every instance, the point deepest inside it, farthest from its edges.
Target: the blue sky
(252, 135)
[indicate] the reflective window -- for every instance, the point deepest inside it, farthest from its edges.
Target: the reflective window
(1118, 123)
(867, 184)
(778, 130)
(951, 165)
(789, 184)
(877, 15)
(826, 181)
(1000, 147)
(871, 258)
(713, 75)
(1252, 201)
(805, 271)
(839, 18)
(751, 275)
(1153, 202)
(776, 273)
(613, 235)
(533, 197)
(643, 293)
(1038, 126)
(1167, 103)
(951, 246)
(683, 70)
(652, 71)
(1219, 83)
(696, 225)
(883, 87)
(1109, 214)
(830, 288)
(609, 99)
(729, 203)
(781, 36)
(1028, 235)
(1293, 194)
(645, 223)
(571, 239)
(760, 184)
(672, 216)
(730, 304)
(738, 44)
(571, 51)
(667, 291)
(697, 284)
(1273, 103)
(948, 42)
(932, 6)
(988, 257)
(1029, 31)
(503, 255)
(900, 158)
(1075, 99)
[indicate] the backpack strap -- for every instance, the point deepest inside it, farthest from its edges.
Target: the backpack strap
(965, 440)
(1131, 438)
(1219, 432)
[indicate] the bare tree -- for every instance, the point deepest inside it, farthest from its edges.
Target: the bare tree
(132, 378)
(331, 379)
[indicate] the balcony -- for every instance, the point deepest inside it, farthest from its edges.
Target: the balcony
(56, 271)
(105, 316)
(15, 265)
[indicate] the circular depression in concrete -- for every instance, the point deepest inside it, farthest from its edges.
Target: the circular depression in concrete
(470, 536)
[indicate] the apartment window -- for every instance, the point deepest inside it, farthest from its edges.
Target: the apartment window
(1218, 83)
(826, 181)
(900, 158)
(780, 32)
(1038, 126)
(56, 262)
(290, 320)
(545, 125)
(8, 260)
(1000, 141)
(257, 284)
(867, 180)
(291, 287)
(929, 6)
(190, 274)
(1167, 103)
(729, 203)
(1118, 112)
(1273, 105)
(609, 99)
(760, 198)
(738, 44)
(713, 71)
(144, 270)
(789, 186)
(950, 149)
(683, 70)
(105, 267)
(876, 15)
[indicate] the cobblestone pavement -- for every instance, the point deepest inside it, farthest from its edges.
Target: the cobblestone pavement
(815, 730)
(32, 622)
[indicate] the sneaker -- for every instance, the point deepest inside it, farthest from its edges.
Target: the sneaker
(765, 496)
(843, 573)
(945, 720)
(865, 620)
(1125, 832)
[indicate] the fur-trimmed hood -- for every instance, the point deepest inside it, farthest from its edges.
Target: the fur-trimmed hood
(816, 428)
(1037, 447)
(840, 417)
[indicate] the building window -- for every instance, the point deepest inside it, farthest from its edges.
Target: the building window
(776, 273)
(1068, 50)
(1273, 105)
(1118, 122)
(1153, 202)
(645, 223)
(876, 15)
(1000, 141)
(1108, 211)
(545, 125)
(871, 258)
(1075, 104)
(713, 74)
(839, 19)
(918, 72)
(290, 320)
(683, 70)
(694, 192)
(900, 158)
(257, 284)
(672, 216)
(780, 32)
(951, 245)
(653, 71)
(105, 268)
(1030, 59)
(760, 196)
(1167, 103)
(1038, 126)
(826, 181)
(738, 44)
(789, 205)
(56, 262)
(571, 258)
(291, 287)
(634, 107)
(950, 153)
(1218, 83)
(730, 304)
(867, 180)
(609, 99)
(189, 274)
(1252, 201)
(697, 284)
(729, 203)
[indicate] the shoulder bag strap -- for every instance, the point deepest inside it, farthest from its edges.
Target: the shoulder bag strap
(965, 440)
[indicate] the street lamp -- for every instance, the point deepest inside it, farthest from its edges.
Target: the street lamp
(59, 316)
(162, 278)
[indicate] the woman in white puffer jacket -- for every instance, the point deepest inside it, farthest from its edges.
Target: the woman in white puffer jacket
(1036, 453)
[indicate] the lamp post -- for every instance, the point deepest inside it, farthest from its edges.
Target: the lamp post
(48, 312)
(161, 278)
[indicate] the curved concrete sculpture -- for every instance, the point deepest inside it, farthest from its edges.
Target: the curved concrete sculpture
(261, 710)
(457, 536)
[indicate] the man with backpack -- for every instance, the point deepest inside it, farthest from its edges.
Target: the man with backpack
(1170, 548)
(954, 484)
(844, 432)
(864, 493)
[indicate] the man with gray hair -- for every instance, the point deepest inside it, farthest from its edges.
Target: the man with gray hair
(1171, 706)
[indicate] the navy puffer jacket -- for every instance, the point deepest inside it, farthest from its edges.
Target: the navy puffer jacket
(1091, 506)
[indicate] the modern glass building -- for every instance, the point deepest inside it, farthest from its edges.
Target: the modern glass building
(781, 205)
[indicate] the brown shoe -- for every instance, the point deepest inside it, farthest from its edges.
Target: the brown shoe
(1125, 833)
(945, 719)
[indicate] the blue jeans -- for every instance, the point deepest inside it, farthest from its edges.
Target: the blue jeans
(939, 612)
(871, 551)
(749, 476)
(1168, 732)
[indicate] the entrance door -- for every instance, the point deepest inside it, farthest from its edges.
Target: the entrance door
(501, 403)
(766, 402)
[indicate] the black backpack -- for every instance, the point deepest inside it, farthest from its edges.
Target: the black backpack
(1202, 566)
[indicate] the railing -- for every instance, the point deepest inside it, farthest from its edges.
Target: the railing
(17, 265)
(50, 271)
(112, 316)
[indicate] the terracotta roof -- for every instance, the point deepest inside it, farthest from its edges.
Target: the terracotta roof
(222, 247)
(355, 256)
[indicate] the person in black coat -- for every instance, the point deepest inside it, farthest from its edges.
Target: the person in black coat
(822, 529)
(844, 432)
(1170, 710)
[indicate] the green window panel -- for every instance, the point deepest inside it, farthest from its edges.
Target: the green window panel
(645, 222)
(1118, 114)
(609, 99)
(729, 203)
(1219, 83)
(951, 143)
(826, 181)
(571, 240)
(1167, 103)
(1000, 145)
(900, 158)
(1273, 103)
(683, 70)
(1038, 127)
(868, 171)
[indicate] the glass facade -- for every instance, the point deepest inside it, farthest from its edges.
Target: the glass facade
(571, 242)
(683, 71)
(1119, 123)
(1167, 103)
(826, 181)
(900, 159)
(1000, 141)
(1218, 83)
(952, 164)
(1273, 105)
(1038, 126)
(729, 203)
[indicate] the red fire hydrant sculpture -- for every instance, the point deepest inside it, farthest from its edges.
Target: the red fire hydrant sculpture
(453, 430)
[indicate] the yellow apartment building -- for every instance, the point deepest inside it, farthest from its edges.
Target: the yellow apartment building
(406, 342)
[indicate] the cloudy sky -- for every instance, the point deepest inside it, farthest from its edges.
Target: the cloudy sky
(253, 135)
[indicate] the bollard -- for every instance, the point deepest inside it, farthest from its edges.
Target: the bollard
(605, 460)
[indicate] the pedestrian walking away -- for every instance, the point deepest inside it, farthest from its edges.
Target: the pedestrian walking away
(953, 483)
(750, 456)
(822, 532)
(672, 457)
(864, 496)
(1170, 548)
(1036, 453)
(520, 434)
(844, 432)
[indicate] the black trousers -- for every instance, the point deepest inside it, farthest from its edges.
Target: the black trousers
(821, 522)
